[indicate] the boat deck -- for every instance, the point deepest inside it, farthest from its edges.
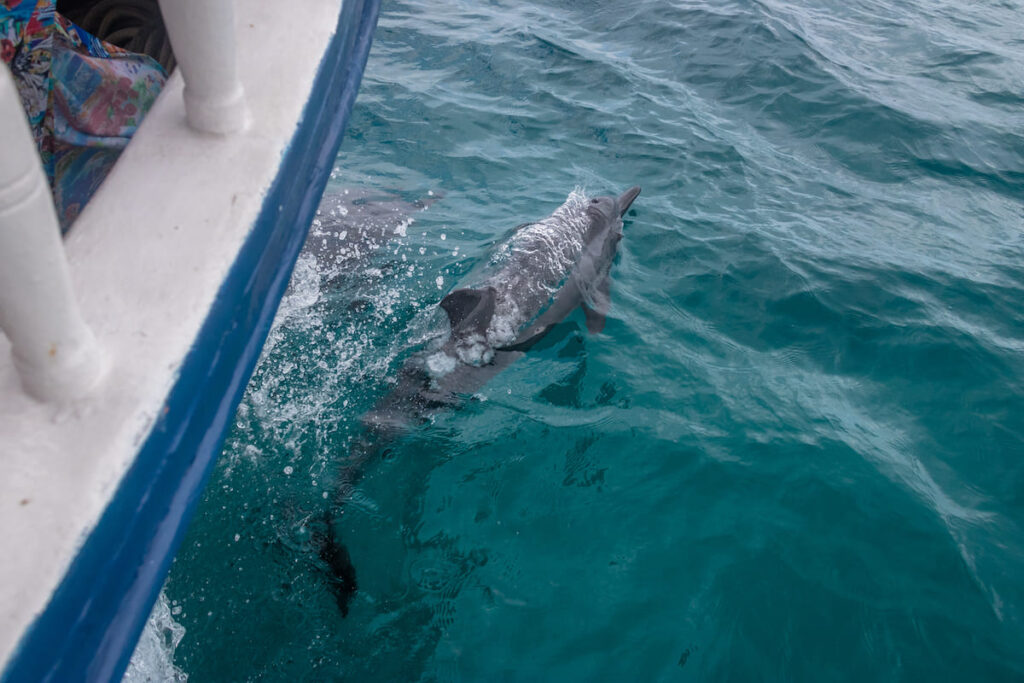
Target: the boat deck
(178, 263)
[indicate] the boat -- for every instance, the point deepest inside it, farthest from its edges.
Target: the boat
(129, 343)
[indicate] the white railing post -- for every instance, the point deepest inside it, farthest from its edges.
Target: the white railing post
(54, 351)
(202, 34)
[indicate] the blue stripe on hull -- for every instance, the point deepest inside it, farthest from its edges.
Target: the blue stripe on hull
(90, 626)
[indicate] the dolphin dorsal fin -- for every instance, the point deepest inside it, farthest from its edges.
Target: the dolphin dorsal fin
(470, 309)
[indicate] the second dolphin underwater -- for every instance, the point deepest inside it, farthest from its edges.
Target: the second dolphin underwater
(540, 275)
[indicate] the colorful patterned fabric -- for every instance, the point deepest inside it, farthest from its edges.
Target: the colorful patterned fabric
(84, 98)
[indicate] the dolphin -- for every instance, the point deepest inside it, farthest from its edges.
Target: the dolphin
(534, 280)
(351, 224)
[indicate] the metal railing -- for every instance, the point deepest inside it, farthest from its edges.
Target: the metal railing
(54, 351)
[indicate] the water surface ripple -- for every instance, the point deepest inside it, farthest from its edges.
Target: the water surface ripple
(796, 453)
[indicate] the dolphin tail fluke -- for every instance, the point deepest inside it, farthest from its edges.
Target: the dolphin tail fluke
(626, 199)
(341, 570)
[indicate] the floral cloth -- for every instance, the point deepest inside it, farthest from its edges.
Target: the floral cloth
(84, 98)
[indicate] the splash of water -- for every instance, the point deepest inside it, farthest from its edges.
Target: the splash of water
(153, 659)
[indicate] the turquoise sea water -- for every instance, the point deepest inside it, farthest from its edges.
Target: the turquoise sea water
(796, 453)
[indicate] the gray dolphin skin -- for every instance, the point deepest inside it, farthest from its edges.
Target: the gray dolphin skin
(534, 280)
(351, 224)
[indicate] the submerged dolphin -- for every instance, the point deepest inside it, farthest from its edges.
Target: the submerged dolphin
(538, 277)
(352, 223)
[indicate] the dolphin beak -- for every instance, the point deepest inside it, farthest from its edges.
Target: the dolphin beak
(626, 199)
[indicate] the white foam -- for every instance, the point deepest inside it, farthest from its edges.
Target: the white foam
(474, 349)
(403, 227)
(153, 659)
(440, 364)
